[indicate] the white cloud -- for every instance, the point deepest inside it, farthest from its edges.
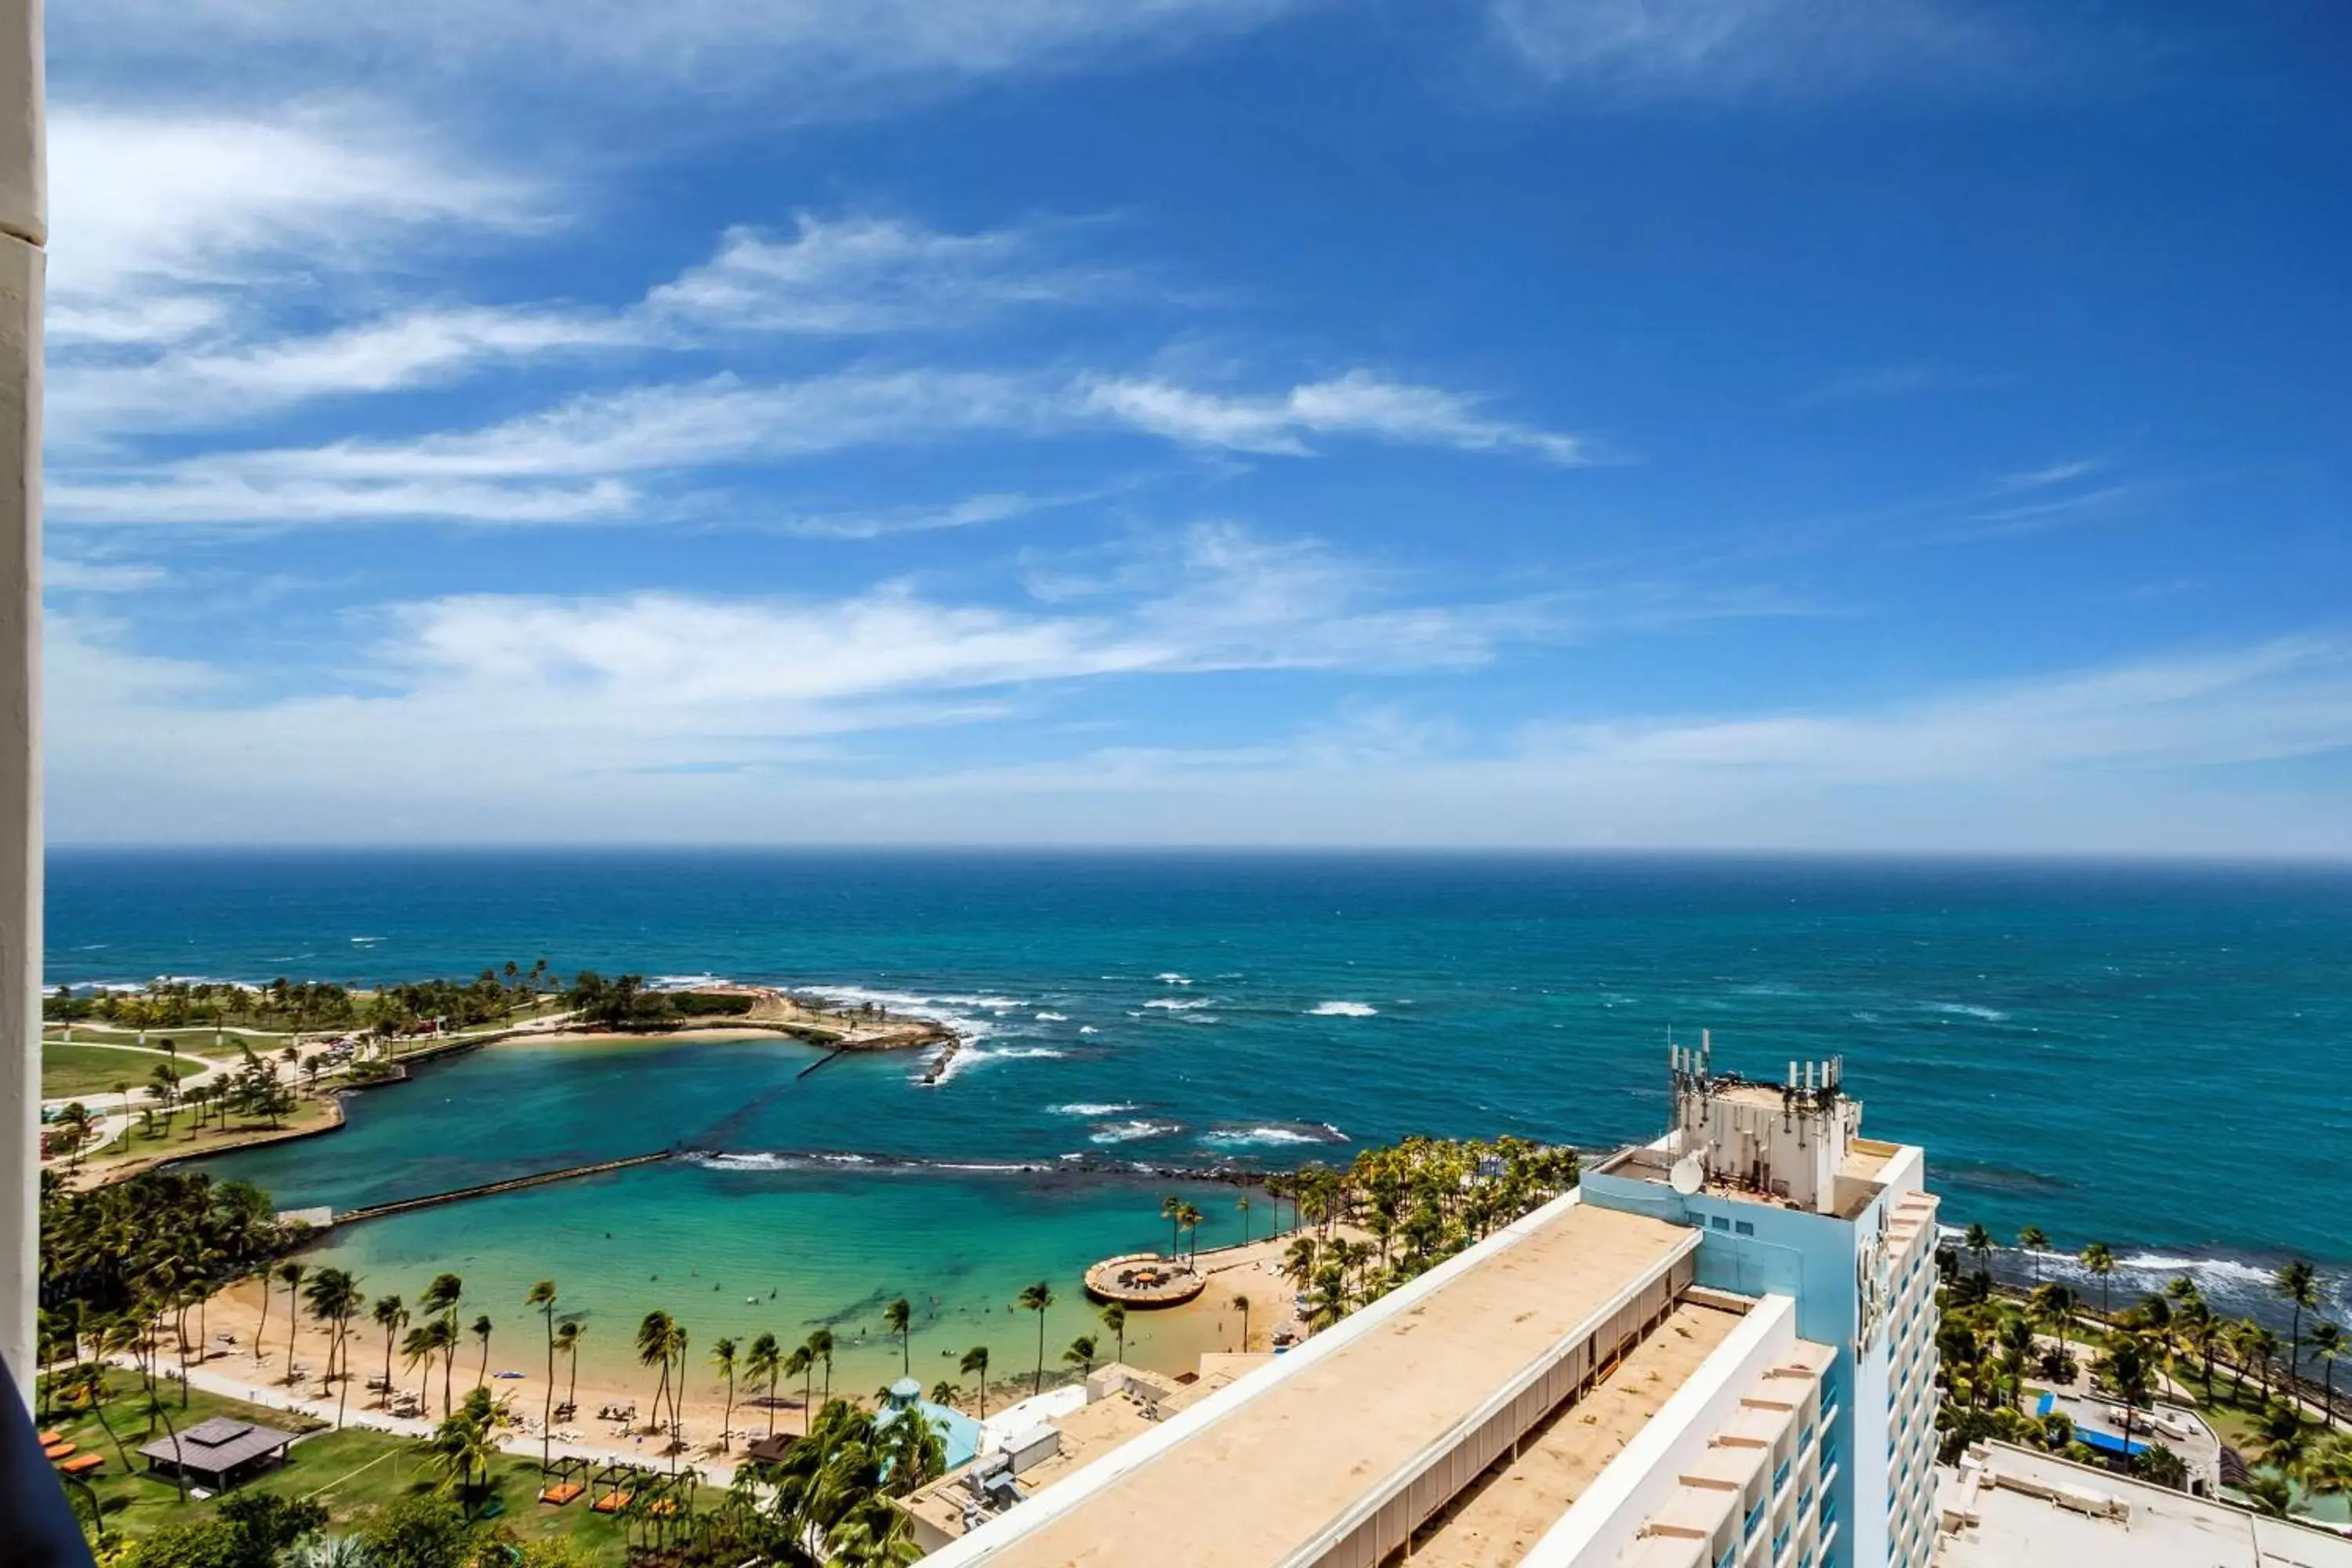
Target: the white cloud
(969, 513)
(864, 274)
(1358, 404)
(159, 219)
(67, 574)
(2274, 700)
(215, 354)
(1712, 48)
(539, 468)
(663, 716)
(800, 59)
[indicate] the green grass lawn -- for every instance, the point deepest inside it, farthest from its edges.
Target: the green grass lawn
(354, 1472)
(91, 1070)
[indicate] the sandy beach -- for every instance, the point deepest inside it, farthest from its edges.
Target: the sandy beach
(607, 1375)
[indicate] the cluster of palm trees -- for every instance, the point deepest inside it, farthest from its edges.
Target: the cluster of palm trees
(1991, 1343)
(1410, 1205)
(121, 1263)
(827, 1499)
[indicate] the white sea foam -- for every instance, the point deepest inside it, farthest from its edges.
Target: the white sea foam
(1128, 1131)
(1969, 1010)
(1271, 1134)
(1089, 1029)
(1172, 978)
(1087, 1108)
(367, 939)
(1175, 1006)
(1053, 1017)
(682, 982)
(1342, 1010)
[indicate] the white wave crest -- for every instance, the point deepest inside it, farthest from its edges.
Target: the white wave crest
(1342, 1010)
(1053, 1017)
(1173, 1005)
(1128, 1131)
(1969, 1010)
(1269, 1133)
(1089, 1029)
(1087, 1108)
(1172, 978)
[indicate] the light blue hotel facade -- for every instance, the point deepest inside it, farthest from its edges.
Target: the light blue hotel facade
(1791, 1201)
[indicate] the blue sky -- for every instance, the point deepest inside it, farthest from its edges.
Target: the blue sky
(1675, 422)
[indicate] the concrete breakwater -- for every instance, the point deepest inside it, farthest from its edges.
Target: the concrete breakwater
(487, 1189)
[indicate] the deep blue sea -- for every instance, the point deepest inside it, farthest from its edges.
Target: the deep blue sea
(2157, 1057)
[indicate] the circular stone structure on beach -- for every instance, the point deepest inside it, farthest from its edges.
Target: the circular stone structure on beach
(1144, 1279)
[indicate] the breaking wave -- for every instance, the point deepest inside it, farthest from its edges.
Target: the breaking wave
(1128, 1131)
(1173, 1005)
(1086, 1107)
(1273, 1133)
(1342, 1010)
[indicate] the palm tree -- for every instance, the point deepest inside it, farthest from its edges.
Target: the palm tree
(1036, 1299)
(1114, 1318)
(1979, 1241)
(819, 1348)
(2034, 1241)
(481, 1331)
(88, 1382)
(2297, 1284)
(945, 1393)
(1081, 1354)
(2130, 1376)
(1172, 1209)
(462, 1444)
(335, 1298)
(421, 1343)
(2283, 1438)
(392, 1316)
(974, 1365)
(1243, 1303)
(567, 1340)
(440, 1299)
(1190, 1219)
(765, 1361)
(899, 1318)
(293, 1273)
(801, 1365)
(1241, 1206)
(2101, 1262)
(543, 1296)
(722, 1361)
(2328, 1347)
(655, 1336)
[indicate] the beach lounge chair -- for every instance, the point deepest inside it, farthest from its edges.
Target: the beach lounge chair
(82, 1465)
(612, 1502)
(562, 1492)
(56, 1450)
(49, 1438)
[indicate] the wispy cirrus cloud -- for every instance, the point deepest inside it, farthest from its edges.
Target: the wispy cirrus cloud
(609, 454)
(204, 348)
(589, 684)
(1739, 49)
(164, 224)
(1882, 382)
(788, 59)
(1358, 404)
(864, 274)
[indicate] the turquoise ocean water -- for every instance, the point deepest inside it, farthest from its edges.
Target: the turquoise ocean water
(2160, 1057)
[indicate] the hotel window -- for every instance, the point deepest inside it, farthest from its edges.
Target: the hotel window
(1744, 1228)
(1720, 1223)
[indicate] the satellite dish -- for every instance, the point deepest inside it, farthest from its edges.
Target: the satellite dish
(1687, 1176)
